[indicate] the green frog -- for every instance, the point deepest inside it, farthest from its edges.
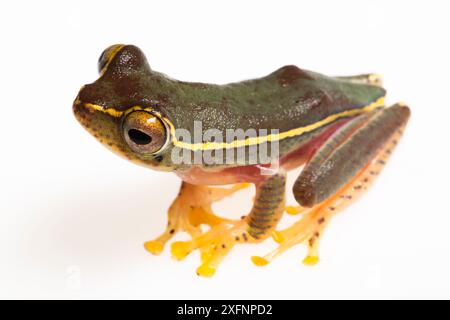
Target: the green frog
(245, 133)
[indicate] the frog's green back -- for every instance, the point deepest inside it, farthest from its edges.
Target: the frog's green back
(285, 99)
(288, 98)
(296, 103)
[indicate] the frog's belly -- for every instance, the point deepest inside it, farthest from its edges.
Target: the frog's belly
(255, 173)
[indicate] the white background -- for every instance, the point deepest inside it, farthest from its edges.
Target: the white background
(73, 216)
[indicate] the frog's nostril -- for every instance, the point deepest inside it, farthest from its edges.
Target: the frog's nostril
(139, 137)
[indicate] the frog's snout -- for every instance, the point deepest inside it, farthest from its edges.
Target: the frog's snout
(79, 108)
(100, 124)
(82, 114)
(89, 115)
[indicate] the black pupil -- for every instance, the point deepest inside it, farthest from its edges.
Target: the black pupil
(139, 137)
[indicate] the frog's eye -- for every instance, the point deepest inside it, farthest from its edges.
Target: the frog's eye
(144, 132)
(106, 57)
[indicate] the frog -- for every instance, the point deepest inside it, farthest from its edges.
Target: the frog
(336, 128)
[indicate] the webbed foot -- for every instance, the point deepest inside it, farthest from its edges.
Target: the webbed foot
(214, 245)
(189, 211)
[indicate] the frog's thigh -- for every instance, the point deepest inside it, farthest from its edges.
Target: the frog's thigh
(359, 150)
(346, 153)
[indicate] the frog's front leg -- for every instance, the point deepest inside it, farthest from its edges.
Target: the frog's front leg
(191, 208)
(215, 244)
(340, 171)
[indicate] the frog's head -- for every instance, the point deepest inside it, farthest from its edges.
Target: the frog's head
(118, 112)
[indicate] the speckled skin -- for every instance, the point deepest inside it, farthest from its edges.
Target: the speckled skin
(336, 126)
(285, 99)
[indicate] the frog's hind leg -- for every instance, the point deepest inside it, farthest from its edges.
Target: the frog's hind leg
(190, 210)
(370, 78)
(309, 229)
(340, 171)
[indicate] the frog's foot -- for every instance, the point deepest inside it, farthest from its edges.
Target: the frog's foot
(189, 211)
(214, 245)
(294, 210)
(309, 229)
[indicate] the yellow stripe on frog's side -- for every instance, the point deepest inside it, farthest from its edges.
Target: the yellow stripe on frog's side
(274, 137)
(248, 141)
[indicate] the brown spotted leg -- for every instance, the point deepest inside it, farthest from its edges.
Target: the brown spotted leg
(255, 227)
(338, 173)
(191, 208)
